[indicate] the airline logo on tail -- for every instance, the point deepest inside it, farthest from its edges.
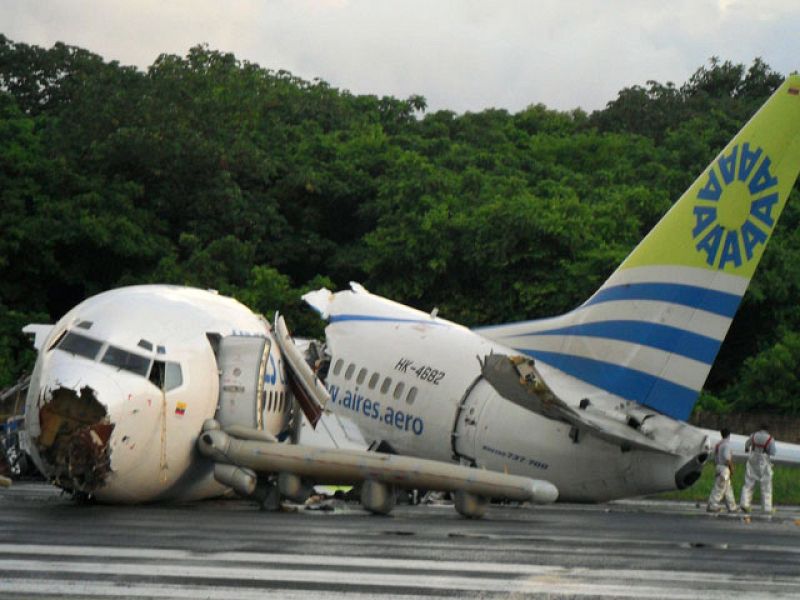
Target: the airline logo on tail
(733, 211)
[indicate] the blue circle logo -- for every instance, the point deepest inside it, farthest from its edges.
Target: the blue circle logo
(733, 211)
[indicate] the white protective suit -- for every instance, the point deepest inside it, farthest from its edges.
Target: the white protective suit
(761, 447)
(723, 455)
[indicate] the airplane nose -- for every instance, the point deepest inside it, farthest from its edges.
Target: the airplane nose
(75, 427)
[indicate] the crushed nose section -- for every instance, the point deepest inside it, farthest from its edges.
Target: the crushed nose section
(73, 443)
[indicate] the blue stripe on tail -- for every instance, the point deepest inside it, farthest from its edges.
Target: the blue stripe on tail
(663, 337)
(664, 396)
(719, 303)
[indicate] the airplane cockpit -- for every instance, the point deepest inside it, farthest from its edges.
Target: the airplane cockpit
(164, 374)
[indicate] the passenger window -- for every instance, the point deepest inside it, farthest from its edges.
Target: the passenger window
(349, 373)
(398, 390)
(337, 368)
(362, 375)
(373, 381)
(74, 343)
(387, 383)
(412, 395)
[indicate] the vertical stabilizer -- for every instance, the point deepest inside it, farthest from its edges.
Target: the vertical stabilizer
(652, 331)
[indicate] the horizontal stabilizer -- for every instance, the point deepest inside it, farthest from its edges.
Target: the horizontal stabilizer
(787, 455)
(517, 379)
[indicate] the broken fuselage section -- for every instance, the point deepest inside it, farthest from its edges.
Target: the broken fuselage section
(73, 444)
(123, 383)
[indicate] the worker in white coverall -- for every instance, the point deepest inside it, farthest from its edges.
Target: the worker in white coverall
(762, 448)
(723, 469)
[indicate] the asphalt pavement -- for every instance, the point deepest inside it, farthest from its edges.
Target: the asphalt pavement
(52, 547)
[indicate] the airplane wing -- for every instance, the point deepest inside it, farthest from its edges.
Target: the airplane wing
(379, 473)
(520, 380)
(787, 454)
(517, 379)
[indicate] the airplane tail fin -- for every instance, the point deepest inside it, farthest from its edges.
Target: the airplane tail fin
(652, 331)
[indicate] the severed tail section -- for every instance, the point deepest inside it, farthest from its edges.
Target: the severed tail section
(652, 331)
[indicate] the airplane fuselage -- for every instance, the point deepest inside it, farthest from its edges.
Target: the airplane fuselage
(415, 382)
(123, 384)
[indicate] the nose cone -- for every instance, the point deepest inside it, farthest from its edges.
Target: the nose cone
(74, 407)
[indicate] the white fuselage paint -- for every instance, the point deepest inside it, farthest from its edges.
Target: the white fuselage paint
(152, 447)
(399, 343)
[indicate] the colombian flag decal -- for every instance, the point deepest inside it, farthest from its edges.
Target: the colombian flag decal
(180, 408)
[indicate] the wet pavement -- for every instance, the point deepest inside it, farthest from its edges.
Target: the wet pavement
(52, 547)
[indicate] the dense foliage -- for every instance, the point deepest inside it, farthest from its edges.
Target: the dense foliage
(214, 172)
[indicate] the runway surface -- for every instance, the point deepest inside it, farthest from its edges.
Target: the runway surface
(52, 548)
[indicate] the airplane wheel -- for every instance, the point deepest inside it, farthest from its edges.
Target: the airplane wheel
(470, 505)
(378, 498)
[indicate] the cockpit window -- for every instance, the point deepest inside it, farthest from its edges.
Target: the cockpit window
(174, 376)
(128, 361)
(75, 343)
(166, 375)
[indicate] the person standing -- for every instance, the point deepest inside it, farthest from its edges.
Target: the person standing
(723, 468)
(762, 448)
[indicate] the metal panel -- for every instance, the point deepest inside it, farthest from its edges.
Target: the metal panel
(467, 428)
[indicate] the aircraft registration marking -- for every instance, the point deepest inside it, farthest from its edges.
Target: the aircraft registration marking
(423, 372)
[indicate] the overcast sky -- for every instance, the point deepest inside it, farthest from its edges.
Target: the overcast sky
(462, 55)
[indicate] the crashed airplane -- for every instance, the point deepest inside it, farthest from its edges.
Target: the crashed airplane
(155, 393)
(594, 401)
(158, 393)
